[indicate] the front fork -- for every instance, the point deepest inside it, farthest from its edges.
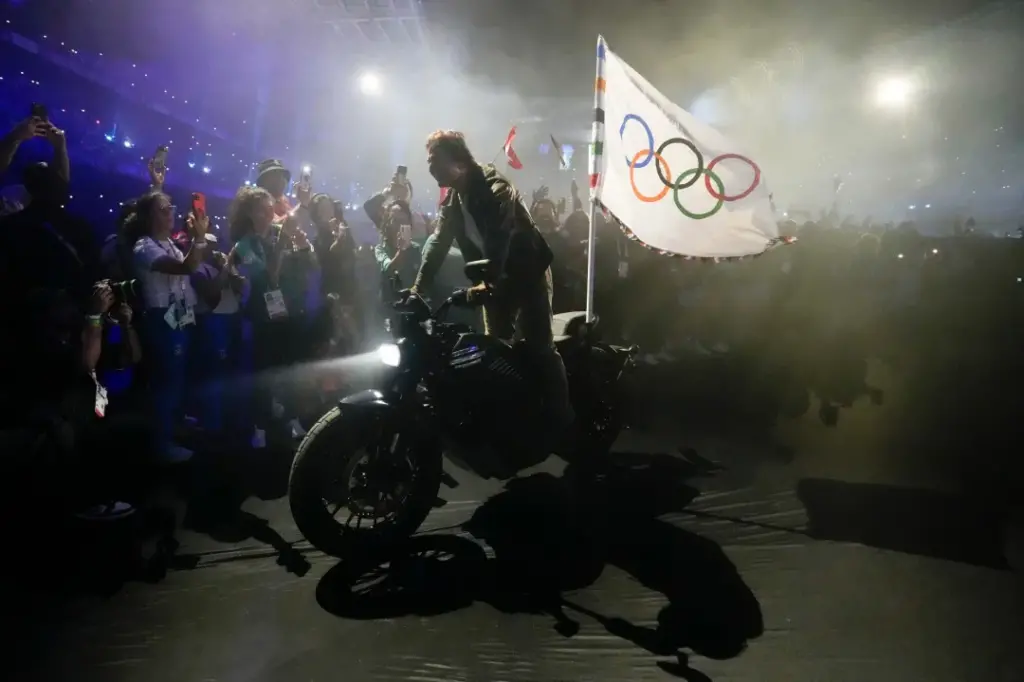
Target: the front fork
(412, 424)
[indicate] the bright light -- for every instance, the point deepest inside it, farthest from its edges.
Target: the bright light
(369, 84)
(128, 143)
(206, 169)
(306, 169)
(895, 92)
(390, 355)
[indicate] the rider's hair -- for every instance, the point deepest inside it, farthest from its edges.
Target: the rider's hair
(453, 144)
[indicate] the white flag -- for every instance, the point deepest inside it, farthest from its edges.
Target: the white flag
(676, 183)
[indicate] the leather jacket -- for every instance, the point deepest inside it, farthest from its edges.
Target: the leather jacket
(511, 240)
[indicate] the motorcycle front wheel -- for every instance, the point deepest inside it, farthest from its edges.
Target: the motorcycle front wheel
(361, 485)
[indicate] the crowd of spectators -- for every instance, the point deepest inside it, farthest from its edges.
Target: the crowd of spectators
(132, 329)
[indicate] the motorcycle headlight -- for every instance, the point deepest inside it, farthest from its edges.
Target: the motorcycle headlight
(390, 355)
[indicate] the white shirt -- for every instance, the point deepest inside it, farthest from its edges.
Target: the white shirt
(158, 289)
(472, 231)
(228, 298)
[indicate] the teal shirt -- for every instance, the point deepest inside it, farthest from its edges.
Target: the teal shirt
(252, 254)
(251, 260)
(407, 271)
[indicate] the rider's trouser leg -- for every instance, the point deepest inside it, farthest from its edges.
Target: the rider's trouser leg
(528, 317)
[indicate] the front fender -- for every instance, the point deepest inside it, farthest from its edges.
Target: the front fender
(370, 400)
(376, 405)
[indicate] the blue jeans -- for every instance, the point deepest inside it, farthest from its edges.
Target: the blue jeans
(214, 367)
(166, 358)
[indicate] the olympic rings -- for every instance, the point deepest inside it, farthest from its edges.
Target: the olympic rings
(650, 139)
(700, 164)
(633, 165)
(684, 180)
(676, 186)
(709, 175)
(721, 196)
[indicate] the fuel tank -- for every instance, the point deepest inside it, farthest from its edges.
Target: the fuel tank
(486, 370)
(491, 399)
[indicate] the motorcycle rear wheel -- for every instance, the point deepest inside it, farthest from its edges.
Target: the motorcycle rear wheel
(338, 444)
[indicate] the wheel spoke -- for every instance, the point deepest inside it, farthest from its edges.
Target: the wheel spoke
(373, 486)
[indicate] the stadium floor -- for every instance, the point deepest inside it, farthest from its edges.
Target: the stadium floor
(840, 563)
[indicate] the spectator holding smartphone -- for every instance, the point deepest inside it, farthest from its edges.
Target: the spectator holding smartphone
(218, 288)
(169, 298)
(397, 256)
(82, 450)
(32, 127)
(378, 206)
(42, 245)
(259, 251)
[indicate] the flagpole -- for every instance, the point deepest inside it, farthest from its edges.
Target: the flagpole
(595, 169)
(591, 252)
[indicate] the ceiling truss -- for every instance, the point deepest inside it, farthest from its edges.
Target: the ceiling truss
(366, 23)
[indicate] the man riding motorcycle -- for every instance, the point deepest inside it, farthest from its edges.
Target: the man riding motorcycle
(486, 215)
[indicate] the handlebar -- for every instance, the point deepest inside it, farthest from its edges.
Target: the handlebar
(458, 298)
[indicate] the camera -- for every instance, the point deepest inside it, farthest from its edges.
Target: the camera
(125, 291)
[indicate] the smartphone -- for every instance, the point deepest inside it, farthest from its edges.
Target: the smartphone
(307, 176)
(560, 209)
(198, 204)
(160, 157)
(39, 111)
(402, 171)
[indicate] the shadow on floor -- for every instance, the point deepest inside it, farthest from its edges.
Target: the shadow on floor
(911, 520)
(216, 485)
(540, 537)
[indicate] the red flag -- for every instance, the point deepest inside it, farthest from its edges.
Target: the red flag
(444, 195)
(510, 153)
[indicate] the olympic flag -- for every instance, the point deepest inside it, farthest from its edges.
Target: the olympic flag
(676, 184)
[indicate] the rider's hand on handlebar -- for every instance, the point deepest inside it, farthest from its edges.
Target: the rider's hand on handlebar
(478, 294)
(405, 295)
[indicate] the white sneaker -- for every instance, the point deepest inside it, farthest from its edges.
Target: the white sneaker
(296, 429)
(276, 409)
(175, 454)
(110, 511)
(259, 439)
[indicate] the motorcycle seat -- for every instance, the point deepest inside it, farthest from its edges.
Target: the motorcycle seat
(565, 326)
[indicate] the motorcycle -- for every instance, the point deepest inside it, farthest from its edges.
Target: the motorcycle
(453, 393)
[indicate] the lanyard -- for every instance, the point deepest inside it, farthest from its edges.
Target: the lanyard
(171, 250)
